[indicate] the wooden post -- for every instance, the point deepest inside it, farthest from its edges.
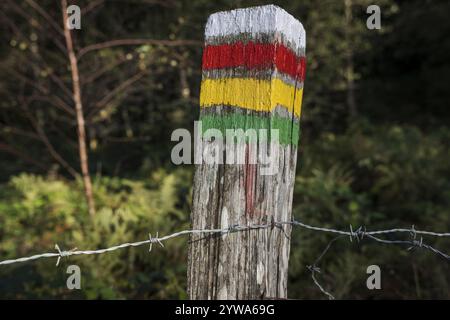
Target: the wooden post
(253, 72)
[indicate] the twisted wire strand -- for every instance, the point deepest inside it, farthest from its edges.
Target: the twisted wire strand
(359, 233)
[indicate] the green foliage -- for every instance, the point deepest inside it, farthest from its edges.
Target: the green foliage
(379, 177)
(386, 166)
(38, 212)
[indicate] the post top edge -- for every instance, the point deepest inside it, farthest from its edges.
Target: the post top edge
(268, 7)
(257, 19)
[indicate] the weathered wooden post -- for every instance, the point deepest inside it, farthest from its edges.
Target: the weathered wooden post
(253, 72)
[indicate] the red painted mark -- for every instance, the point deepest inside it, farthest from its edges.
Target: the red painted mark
(250, 183)
(253, 55)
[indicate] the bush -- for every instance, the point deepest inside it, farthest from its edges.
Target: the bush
(38, 212)
(379, 177)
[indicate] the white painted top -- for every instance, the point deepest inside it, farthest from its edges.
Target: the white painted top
(264, 19)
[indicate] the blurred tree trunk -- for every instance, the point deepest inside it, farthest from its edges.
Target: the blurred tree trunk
(82, 150)
(349, 68)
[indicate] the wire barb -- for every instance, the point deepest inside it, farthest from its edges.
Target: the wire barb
(313, 270)
(62, 253)
(154, 240)
(232, 228)
(416, 244)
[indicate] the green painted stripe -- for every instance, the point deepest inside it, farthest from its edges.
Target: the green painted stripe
(289, 131)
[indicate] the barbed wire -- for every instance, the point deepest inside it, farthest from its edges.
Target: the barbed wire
(358, 235)
(314, 268)
(151, 240)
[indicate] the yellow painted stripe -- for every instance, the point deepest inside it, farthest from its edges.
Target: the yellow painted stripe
(249, 93)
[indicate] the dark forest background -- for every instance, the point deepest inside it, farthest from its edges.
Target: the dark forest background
(374, 146)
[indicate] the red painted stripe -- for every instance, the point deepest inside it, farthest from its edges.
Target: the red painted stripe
(250, 181)
(254, 56)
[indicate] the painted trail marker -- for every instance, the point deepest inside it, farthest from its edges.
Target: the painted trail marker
(252, 83)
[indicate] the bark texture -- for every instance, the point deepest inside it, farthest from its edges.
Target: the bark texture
(242, 265)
